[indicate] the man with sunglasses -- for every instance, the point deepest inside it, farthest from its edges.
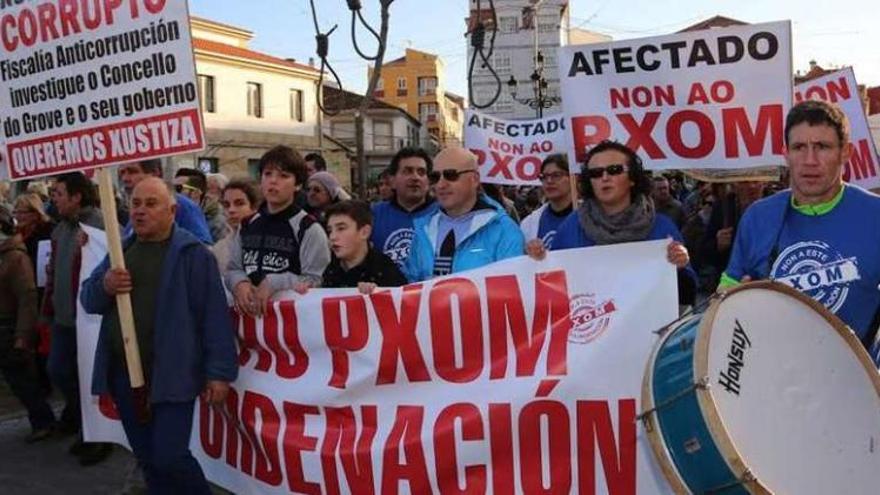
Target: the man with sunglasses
(393, 219)
(193, 183)
(188, 216)
(541, 225)
(468, 231)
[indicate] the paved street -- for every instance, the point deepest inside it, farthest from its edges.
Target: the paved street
(45, 468)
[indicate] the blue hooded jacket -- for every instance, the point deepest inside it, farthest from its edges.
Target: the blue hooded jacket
(193, 338)
(493, 236)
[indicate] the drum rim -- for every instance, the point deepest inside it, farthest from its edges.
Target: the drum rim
(707, 402)
(655, 437)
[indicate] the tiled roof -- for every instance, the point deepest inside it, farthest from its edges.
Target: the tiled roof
(337, 100)
(714, 22)
(235, 51)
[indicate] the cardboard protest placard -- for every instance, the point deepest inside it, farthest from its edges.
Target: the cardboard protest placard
(841, 89)
(86, 84)
(510, 152)
(705, 99)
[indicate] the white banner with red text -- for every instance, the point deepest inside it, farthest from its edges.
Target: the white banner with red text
(87, 84)
(841, 89)
(521, 377)
(713, 98)
(510, 152)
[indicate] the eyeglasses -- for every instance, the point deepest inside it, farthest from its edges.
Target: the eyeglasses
(552, 176)
(184, 187)
(316, 189)
(598, 172)
(450, 174)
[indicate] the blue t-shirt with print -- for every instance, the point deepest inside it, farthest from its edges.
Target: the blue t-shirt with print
(549, 224)
(393, 228)
(833, 256)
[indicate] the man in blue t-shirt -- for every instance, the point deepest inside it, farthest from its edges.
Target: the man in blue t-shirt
(393, 219)
(542, 224)
(822, 237)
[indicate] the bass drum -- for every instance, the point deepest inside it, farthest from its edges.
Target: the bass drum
(765, 392)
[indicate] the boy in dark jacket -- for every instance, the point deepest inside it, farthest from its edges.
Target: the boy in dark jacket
(355, 263)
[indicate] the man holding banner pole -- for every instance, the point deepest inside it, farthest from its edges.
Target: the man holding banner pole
(822, 236)
(184, 336)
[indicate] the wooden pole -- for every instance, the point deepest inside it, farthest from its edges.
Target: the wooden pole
(123, 301)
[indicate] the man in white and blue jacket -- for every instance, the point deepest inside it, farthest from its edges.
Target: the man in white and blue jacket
(468, 231)
(184, 334)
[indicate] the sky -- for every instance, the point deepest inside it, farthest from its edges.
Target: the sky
(848, 34)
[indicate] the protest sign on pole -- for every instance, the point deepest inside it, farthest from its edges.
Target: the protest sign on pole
(510, 152)
(840, 88)
(88, 84)
(704, 99)
(520, 377)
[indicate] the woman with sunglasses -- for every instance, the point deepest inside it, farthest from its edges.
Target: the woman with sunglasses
(618, 208)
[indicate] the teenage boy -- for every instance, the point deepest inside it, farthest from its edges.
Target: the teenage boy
(355, 263)
(280, 247)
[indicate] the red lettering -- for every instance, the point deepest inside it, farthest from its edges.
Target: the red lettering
(698, 95)
(618, 457)
(91, 13)
(861, 164)
(443, 331)
(268, 468)
(507, 316)
(233, 436)
(502, 165)
(406, 430)
(723, 91)
(501, 448)
(619, 98)
(446, 459)
(341, 344)
(531, 450)
(769, 127)
(69, 21)
(47, 13)
(706, 133)
(247, 332)
(533, 172)
(640, 133)
(583, 139)
(154, 6)
(7, 30)
(27, 27)
(399, 336)
(357, 462)
(107, 407)
(481, 156)
(291, 360)
(295, 443)
(109, 7)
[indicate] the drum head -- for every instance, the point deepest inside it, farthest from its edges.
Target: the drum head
(793, 399)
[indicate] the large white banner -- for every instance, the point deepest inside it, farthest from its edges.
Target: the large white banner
(522, 377)
(715, 98)
(510, 152)
(86, 84)
(840, 88)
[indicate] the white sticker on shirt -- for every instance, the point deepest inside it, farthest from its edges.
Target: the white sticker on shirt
(818, 271)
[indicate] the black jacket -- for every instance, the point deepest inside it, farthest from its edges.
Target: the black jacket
(376, 268)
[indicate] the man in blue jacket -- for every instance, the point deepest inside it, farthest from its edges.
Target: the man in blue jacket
(468, 231)
(184, 332)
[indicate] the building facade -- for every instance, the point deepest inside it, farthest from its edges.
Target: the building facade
(251, 101)
(387, 128)
(416, 84)
(525, 27)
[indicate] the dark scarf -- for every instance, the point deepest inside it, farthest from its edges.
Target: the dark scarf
(630, 225)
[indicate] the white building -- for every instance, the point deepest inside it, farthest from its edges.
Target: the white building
(519, 21)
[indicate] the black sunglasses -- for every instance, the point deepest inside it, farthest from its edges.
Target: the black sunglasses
(450, 174)
(598, 172)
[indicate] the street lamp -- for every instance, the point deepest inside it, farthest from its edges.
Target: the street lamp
(541, 99)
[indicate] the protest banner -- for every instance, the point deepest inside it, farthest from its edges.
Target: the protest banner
(87, 84)
(521, 377)
(704, 99)
(841, 89)
(510, 152)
